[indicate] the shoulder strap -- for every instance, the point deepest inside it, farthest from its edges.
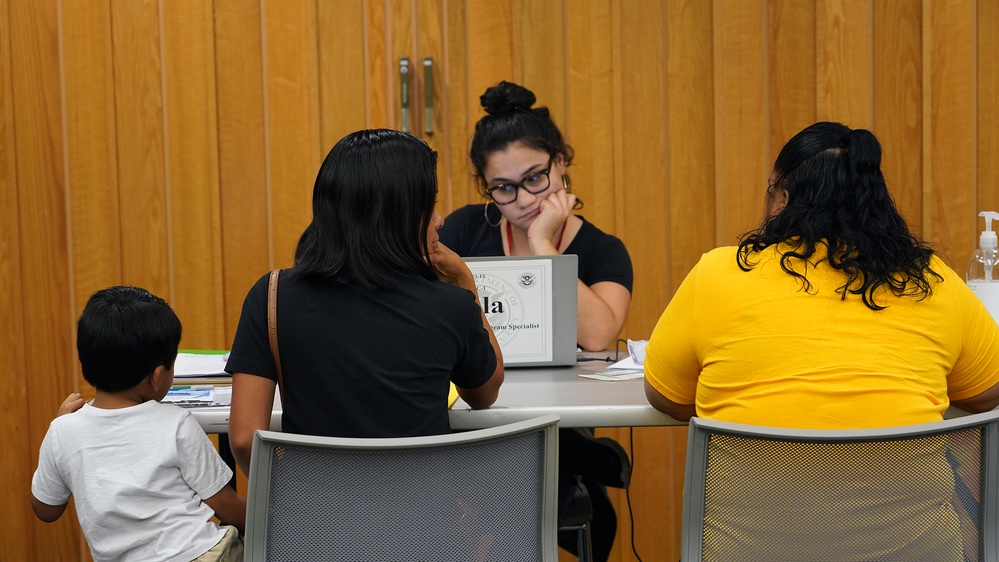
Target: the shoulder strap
(272, 286)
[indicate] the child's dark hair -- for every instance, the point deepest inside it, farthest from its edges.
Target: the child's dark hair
(123, 334)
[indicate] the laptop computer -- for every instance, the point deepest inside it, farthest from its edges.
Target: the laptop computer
(530, 302)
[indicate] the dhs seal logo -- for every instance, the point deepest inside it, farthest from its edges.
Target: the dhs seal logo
(527, 280)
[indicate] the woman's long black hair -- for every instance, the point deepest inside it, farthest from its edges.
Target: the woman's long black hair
(372, 205)
(836, 195)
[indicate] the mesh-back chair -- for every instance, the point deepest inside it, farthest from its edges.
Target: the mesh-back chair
(922, 493)
(477, 496)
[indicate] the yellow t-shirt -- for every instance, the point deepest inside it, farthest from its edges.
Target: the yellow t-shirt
(755, 347)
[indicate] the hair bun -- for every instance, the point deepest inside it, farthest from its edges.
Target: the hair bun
(506, 97)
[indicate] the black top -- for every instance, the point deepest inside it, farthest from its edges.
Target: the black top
(602, 257)
(363, 363)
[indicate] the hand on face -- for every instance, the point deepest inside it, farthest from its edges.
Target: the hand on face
(449, 265)
(554, 209)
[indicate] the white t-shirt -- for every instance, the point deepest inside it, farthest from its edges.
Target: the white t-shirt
(138, 475)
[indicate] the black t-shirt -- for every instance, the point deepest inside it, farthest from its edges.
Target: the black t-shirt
(365, 363)
(602, 257)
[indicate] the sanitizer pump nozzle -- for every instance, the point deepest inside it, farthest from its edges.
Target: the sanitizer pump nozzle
(987, 243)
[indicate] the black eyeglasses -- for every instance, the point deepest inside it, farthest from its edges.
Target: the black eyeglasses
(533, 183)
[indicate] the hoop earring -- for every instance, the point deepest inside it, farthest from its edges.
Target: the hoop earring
(566, 183)
(485, 214)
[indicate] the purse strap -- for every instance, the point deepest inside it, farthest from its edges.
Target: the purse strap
(272, 286)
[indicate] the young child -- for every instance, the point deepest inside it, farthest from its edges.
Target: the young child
(146, 478)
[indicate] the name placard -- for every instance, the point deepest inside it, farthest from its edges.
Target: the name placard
(526, 302)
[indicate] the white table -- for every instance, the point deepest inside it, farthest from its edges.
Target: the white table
(528, 392)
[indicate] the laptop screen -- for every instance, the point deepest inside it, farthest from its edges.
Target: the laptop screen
(530, 302)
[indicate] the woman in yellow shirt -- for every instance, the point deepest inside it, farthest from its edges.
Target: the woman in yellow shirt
(830, 315)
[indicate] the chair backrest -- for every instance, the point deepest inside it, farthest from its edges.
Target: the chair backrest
(921, 492)
(484, 495)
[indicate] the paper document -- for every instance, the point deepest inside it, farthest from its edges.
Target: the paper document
(200, 364)
(614, 375)
(199, 395)
(627, 364)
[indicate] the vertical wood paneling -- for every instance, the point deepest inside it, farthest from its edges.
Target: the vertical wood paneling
(741, 167)
(691, 141)
(381, 70)
(640, 167)
(140, 133)
(898, 115)
(589, 122)
(291, 84)
(791, 73)
(243, 199)
(987, 73)
(539, 53)
(843, 58)
(18, 455)
(91, 146)
(44, 269)
(342, 100)
(454, 112)
(490, 49)
(400, 32)
(429, 36)
(193, 172)
(174, 145)
(950, 101)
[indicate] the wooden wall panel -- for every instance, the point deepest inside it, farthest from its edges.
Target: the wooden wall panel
(342, 100)
(44, 268)
(91, 147)
(791, 75)
(539, 53)
(140, 132)
(843, 60)
(192, 173)
(987, 73)
(291, 98)
(640, 62)
(741, 167)
(691, 143)
(490, 49)
(429, 43)
(898, 116)
(949, 129)
(243, 195)
(454, 114)
(589, 123)
(381, 70)
(180, 148)
(400, 32)
(18, 455)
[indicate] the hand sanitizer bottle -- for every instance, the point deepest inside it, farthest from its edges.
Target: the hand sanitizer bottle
(983, 271)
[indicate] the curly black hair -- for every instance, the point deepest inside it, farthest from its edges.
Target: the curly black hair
(837, 196)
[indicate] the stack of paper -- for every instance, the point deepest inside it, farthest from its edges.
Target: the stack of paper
(200, 364)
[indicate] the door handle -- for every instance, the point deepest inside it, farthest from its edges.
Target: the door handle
(404, 92)
(428, 95)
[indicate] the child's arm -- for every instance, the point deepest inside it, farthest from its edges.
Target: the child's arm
(45, 512)
(229, 507)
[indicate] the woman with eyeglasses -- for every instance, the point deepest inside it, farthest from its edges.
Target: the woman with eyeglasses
(520, 160)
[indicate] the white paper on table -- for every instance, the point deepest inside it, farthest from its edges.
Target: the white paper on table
(200, 365)
(615, 375)
(627, 364)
